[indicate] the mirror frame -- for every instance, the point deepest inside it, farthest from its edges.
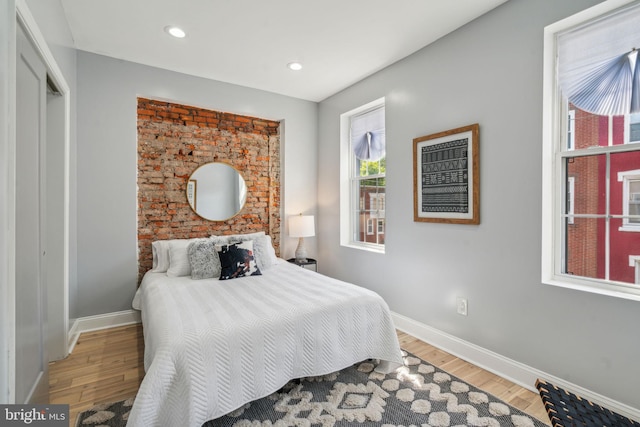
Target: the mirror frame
(193, 189)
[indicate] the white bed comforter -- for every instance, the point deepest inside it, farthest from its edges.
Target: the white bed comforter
(212, 346)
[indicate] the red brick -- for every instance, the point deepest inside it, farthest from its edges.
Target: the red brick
(179, 110)
(169, 151)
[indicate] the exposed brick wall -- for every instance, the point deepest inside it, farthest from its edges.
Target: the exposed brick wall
(582, 240)
(173, 140)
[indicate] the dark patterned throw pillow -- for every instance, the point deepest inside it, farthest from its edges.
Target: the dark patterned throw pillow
(238, 260)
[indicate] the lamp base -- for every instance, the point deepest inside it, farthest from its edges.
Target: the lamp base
(301, 251)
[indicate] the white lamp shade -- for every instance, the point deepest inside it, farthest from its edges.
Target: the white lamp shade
(302, 226)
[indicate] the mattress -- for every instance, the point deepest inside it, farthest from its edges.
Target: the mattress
(213, 345)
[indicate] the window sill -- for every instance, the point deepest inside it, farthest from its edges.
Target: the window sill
(613, 289)
(633, 229)
(368, 248)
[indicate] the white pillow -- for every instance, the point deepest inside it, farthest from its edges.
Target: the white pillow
(235, 238)
(264, 252)
(179, 258)
(160, 251)
(271, 251)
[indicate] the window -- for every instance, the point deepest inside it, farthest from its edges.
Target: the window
(633, 202)
(363, 177)
(632, 128)
(376, 204)
(634, 261)
(591, 155)
(630, 200)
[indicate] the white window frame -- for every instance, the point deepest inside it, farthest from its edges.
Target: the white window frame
(555, 133)
(627, 128)
(626, 178)
(571, 191)
(347, 220)
(571, 131)
(373, 204)
(381, 226)
(377, 204)
(634, 261)
(369, 226)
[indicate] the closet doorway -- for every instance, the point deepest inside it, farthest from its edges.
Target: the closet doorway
(41, 212)
(32, 360)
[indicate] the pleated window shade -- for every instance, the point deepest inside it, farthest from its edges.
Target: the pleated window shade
(368, 135)
(598, 67)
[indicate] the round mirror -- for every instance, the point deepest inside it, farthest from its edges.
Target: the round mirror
(216, 191)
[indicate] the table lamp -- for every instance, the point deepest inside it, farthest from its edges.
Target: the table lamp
(301, 226)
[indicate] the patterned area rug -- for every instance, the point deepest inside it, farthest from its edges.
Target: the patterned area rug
(417, 394)
(106, 414)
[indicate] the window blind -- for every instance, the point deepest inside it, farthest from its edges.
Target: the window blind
(368, 135)
(598, 70)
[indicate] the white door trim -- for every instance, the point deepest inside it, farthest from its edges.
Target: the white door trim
(28, 22)
(8, 198)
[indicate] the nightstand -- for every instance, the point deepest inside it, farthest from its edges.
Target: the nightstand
(310, 261)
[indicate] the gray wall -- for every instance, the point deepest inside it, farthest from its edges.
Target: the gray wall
(488, 72)
(106, 171)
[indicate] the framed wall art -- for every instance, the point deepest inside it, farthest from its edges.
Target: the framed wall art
(192, 187)
(446, 177)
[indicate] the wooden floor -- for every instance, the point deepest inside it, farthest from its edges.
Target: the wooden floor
(107, 366)
(523, 399)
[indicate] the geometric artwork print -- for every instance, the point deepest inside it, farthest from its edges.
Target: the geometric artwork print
(445, 177)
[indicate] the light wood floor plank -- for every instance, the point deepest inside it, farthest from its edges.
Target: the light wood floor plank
(105, 366)
(108, 365)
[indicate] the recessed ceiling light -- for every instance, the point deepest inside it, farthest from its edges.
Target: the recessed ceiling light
(295, 66)
(175, 31)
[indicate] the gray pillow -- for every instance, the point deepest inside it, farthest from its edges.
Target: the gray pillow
(204, 260)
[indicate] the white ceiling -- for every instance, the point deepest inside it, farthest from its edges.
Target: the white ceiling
(250, 42)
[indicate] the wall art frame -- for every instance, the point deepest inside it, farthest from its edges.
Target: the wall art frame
(446, 176)
(192, 187)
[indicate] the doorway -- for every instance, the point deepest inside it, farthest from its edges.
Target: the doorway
(42, 153)
(32, 359)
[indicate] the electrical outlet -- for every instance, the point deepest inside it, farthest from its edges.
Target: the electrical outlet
(461, 304)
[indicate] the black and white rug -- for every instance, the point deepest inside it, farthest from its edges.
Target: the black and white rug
(106, 414)
(417, 394)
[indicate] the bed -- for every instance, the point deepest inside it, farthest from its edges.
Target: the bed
(214, 345)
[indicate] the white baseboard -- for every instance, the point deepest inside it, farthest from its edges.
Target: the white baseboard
(516, 372)
(101, 321)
